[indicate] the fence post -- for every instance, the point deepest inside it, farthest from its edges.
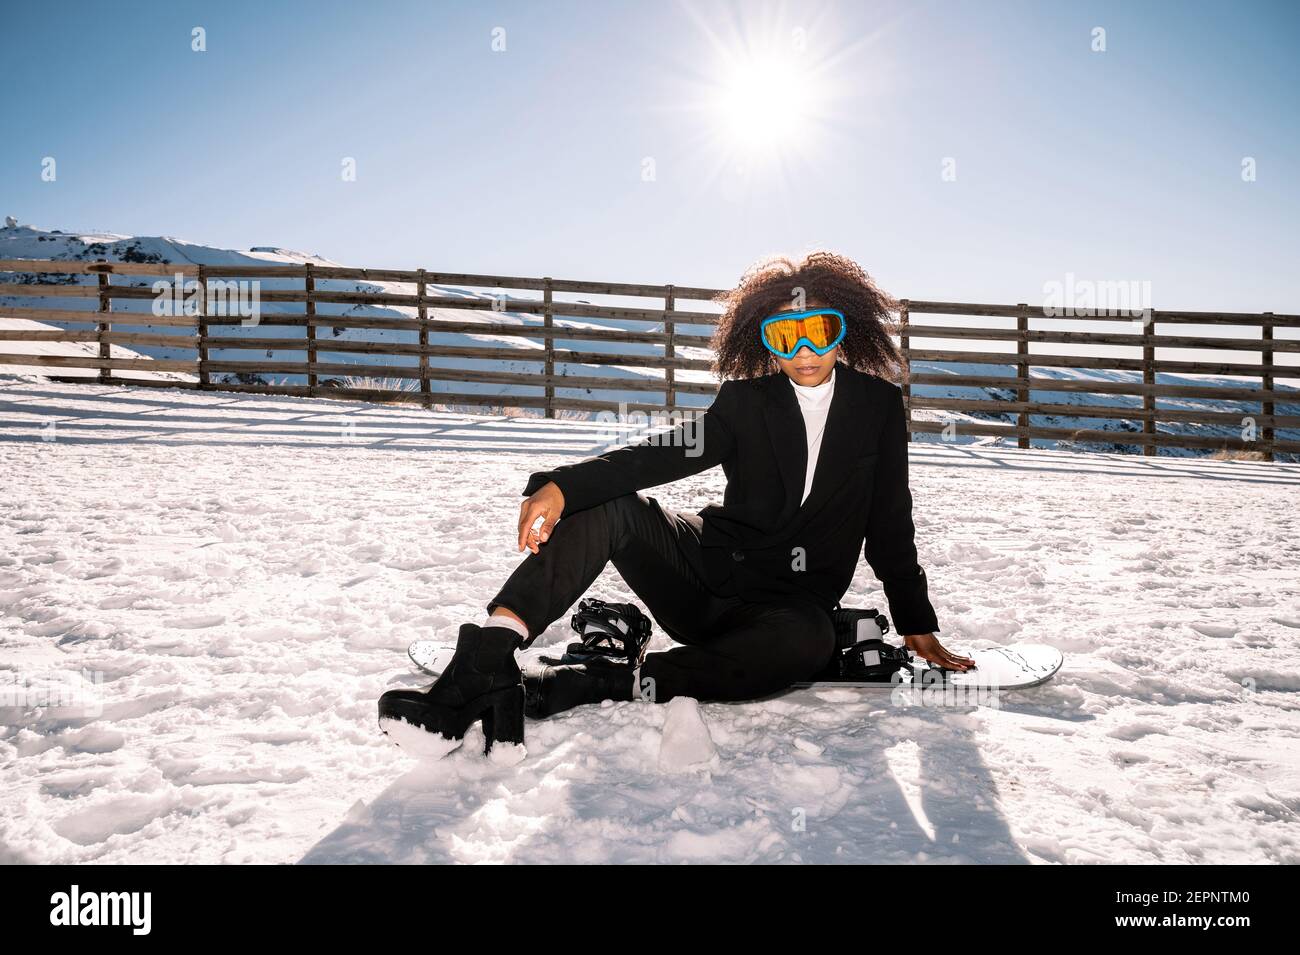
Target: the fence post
(309, 296)
(1266, 380)
(205, 377)
(670, 351)
(904, 347)
(426, 387)
(1149, 381)
(1022, 372)
(548, 322)
(105, 308)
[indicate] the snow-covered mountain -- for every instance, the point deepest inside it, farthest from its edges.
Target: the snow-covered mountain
(28, 242)
(19, 241)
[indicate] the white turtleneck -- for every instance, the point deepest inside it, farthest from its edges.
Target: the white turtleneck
(814, 402)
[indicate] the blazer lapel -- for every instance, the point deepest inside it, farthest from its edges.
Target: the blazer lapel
(840, 445)
(785, 429)
(841, 440)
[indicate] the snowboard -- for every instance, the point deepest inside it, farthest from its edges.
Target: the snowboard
(430, 656)
(1014, 667)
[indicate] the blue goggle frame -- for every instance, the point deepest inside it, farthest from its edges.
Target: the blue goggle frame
(787, 316)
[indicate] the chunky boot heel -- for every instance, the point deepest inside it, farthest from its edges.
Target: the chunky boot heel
(482, 682)
(503, 720)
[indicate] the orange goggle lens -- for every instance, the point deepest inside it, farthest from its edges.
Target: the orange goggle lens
(820, 330)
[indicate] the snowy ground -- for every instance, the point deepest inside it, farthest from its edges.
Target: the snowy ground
(245, 573)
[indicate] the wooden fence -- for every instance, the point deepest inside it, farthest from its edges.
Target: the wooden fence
(1244, 345)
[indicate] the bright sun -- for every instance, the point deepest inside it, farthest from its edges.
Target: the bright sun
(772, 100)
(766, 100)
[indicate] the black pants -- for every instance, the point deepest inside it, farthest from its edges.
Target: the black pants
(730, 649)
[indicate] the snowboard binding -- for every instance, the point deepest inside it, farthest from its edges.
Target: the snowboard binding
(609, 633)
(873, 661)
(861, 653)
(853, 624)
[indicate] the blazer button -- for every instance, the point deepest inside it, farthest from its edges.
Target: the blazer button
(737, 555)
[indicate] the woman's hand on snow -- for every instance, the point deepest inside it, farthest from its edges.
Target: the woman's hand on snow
(925, 646)
(547, 503)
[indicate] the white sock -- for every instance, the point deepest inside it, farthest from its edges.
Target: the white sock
(501, 620)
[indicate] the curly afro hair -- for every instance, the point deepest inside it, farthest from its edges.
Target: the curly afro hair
(825, 278)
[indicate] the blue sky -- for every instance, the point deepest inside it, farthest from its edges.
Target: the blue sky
(1123, 165)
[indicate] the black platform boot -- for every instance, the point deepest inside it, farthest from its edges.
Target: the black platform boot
(482, 682)
(553, 689)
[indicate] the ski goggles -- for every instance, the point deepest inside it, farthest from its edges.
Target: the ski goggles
(784, 333)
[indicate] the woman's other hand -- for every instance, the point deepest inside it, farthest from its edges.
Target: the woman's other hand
(547, 503)
(927, 647)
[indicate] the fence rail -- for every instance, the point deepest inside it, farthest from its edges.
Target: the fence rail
(1002, 402)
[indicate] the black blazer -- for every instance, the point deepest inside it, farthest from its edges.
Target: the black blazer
(760, 543)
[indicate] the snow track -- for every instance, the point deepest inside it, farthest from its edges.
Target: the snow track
(231, 581)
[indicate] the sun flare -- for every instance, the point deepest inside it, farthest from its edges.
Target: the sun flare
(765, 100)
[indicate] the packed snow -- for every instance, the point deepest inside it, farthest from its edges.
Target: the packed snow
(202, 596)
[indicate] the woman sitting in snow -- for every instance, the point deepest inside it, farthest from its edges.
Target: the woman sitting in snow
(811, 436)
